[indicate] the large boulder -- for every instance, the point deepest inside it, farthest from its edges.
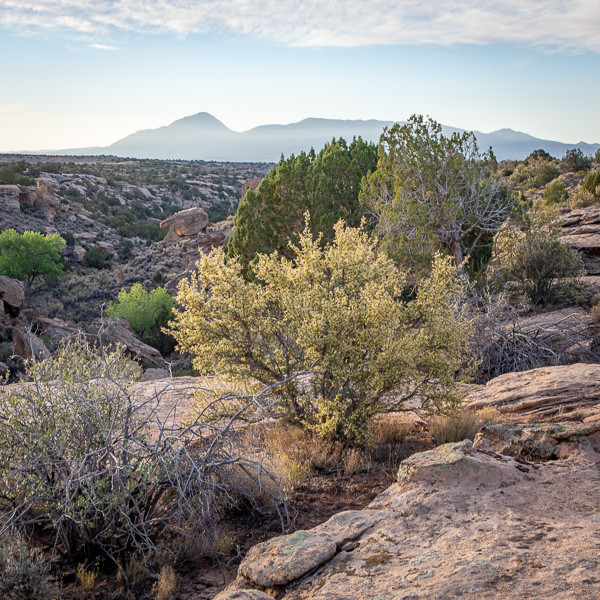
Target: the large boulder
(547, 394)
(28, 345)
(57, 330)
(112, 331)
(185, 224)
(12, 296)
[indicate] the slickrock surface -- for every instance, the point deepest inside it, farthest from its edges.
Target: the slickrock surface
(459, 523)
(546, 394)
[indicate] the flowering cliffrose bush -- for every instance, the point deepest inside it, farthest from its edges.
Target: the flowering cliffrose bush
(336, 312)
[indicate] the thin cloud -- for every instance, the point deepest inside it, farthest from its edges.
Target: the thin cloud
(550, 24)
(103, 47)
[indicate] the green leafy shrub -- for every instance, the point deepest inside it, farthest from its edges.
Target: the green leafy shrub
(96, 258)
(147, 313)
(591, 183)
(335, 312)
(556, 192)
(575, 160)
(30, 256)
(545, 268)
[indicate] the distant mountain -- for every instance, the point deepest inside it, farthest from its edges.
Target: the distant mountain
(203, 137)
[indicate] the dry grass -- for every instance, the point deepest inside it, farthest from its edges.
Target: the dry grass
(355, 460)
(294, 454)
(463, 425)
(168, 585)
(388, 432)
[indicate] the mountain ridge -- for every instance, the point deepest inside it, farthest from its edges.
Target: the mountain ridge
(204, 137)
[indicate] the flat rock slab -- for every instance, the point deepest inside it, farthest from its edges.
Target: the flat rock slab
(543, 395)
(534, 537)
(286, 558)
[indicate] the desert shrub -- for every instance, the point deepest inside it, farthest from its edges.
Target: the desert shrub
(545, 268)
(99, 474)
(96, 258)
(582, 198)
(556, 193)
(147, 313)
(575, 160)
(462, 425)
(534, 172)
(591, 183)
(69, 238)
(23, 572)
(334, 313)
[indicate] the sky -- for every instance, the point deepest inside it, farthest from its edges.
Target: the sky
(76, 73)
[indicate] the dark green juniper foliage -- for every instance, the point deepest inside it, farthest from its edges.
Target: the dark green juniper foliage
(326, 185)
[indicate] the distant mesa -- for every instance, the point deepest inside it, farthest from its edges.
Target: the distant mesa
(204, 137)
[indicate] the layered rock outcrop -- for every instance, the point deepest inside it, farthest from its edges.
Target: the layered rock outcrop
(567, 392)
(15, 198)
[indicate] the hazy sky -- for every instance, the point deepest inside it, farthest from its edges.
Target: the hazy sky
(88, 72)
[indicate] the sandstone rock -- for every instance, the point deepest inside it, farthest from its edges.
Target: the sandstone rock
(242, 595)
(12, 296)
(453, 464)
(56, 329)
(155, 374)
(115, 330)
(581, 230)
(543, 441)
(460, 523)
(568, 392)
(79, 254)
(28, 345)
(250, 184)
(286, 558)
(185, 223)
(106, 247)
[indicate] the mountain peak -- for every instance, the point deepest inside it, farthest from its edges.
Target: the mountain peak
(202, 120)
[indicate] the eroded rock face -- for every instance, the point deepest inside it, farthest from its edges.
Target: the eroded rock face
(9, 198)
(115, 330)
(540, 441)
(568, 392)
(12, 296)
(185, 223)
(460, 522)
